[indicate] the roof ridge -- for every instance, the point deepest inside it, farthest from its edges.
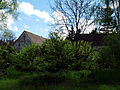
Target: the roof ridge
(35, 38)
(34, 34)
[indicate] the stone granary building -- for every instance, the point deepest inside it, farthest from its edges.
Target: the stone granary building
(28, 38)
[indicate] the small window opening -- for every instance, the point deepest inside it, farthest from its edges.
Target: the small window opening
(19, 44)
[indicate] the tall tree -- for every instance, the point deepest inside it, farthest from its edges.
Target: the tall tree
(105, 17)
(108, 21)
(119, 16)
(116, 6)
(7, 36)
(73, 16)
(7, 7)
(108, 15)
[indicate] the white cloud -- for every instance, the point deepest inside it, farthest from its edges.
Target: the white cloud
(28, 9)
(37, 20)
(7, 22)
(20, 19)
(46, 30)
(27, 27)
(40, 29)
(10, 21)
(15, 28)
(59, 17)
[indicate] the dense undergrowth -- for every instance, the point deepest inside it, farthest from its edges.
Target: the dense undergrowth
(59, 64)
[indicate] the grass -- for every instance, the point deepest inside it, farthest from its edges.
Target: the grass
(13, 84)
(8, 84)
(73, 81)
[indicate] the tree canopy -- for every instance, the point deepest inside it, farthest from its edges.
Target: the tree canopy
(7, 8)
(107, 15)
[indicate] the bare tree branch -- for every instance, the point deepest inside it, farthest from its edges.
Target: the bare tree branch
(77, 13)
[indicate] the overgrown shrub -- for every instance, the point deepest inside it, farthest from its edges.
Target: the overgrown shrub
(7, 54)
(105, 76)
(29, 79)
(58, 53)
(30, 59)
(11, 73)
(85, 56)
(77, 76)
(110, 53)
(62, 54)
(42, 78)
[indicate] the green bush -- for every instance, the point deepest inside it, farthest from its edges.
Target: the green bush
(54, 78)
(28, 79)
(12, 73)
(85, 56)
(7, 54)
(62, 54)
(58, 53)
(30, 59)
(106, 76)
(77, 76)
(106, 87)
(42, 78)
(109, 54)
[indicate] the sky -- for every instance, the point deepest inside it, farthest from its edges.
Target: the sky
(34, 16)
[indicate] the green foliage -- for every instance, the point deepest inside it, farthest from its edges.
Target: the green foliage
(52, 78)
(6, 56)
(49, 78)
(84, 56)
(12, 73)
(9, 6)
(106, 19)
(28, 79)
(8, 84)
(12, 84)
(7, 36)
(58, 53)
(30, 59)
(109, 54)
(106, 87)
(49, 63)
(77, 76)
(62, 55)
(105, 76)
(42, 78)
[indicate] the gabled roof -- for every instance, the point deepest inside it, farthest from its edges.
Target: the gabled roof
(35, 38)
